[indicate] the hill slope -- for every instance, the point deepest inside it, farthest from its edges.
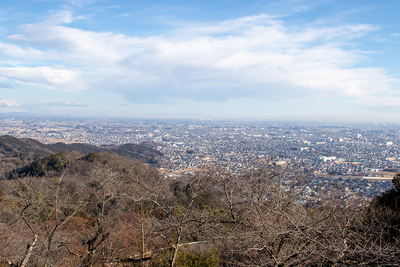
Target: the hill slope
(15, 152)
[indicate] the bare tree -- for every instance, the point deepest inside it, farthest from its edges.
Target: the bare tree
(103, 189)
(44, 206)
(178, 214)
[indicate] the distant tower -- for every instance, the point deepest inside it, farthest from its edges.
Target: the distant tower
(359, 136)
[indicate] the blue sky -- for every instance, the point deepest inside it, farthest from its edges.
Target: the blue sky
(201, 59)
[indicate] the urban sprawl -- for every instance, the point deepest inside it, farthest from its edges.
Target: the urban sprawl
(347, 163)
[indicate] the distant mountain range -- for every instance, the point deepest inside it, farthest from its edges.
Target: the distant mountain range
(12, 146)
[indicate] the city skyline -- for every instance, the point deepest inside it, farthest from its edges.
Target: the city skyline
(333, 60)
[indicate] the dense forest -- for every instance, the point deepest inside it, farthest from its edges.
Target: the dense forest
(103, 209)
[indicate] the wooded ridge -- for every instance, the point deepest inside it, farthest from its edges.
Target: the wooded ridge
(15, 152)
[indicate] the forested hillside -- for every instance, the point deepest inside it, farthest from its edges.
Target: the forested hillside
(102, 209)
(17, 152)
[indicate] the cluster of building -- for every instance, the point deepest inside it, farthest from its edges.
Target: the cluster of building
(341, 161)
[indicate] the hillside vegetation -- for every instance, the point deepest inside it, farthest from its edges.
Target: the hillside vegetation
(16, 152)
(102, 209)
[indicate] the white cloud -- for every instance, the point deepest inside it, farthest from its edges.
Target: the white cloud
(55, 77)
(8, 103)
(16, 51)
(256, 56)
(60, 17)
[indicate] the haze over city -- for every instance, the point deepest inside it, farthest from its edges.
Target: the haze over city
(333, 60)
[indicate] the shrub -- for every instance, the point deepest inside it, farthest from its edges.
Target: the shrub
(198, 259)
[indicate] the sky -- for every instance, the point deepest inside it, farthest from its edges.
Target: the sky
(328, 59)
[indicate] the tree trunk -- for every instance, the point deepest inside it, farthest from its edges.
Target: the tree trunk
(175, 254)
(28, 252)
